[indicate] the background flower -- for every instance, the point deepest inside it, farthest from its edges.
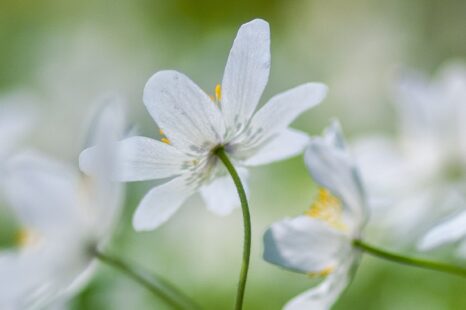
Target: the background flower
(413, 180)
(320, 243)
(63, 216)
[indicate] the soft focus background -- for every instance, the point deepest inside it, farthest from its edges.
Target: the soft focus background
(63, 55)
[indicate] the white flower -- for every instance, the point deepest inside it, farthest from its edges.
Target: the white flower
(411, 179)
(64, 215)
(195, 125)
(319, 243)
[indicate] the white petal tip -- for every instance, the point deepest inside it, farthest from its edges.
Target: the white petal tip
(141, 224)
(226, 212)
(430, 242)
(257, 23)
(160, 77)
(160, 204)
(141, 228)
(85, 160)
(317, 91)
(424, 246)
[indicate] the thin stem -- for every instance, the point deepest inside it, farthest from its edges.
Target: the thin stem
(220, 152)
(156, 285)
(416, 262)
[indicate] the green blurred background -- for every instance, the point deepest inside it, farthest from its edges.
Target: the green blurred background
(62, 55)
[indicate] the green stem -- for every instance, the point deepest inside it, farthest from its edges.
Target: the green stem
(156, 285)
(416, 262)
(220, 152)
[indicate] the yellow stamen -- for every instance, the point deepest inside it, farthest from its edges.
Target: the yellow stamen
(218, 92)
(322, 273)
(164, 139)
(26, 237)
(327, 208)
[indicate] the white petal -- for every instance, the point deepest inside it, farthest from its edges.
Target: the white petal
(15, 122)
(324, 295)
(400, 222)
(333, 135)
(42, 192)
(387, 174)
(12, 288)
(108, 123)
(160, 203)
(140, 158)
(221, 196)
(421, 107)
(246, 73)
(76, 267)
(282, 110)
(20, 275)
(304, 244)
(189, 118)
(107, 126)
(451, 230)
(287, 144)
(331, 166)
(104, 196)
(455, 89)
(78, 279)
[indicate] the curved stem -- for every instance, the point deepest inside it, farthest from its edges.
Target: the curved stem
(416, 262)
(220, 152)
(156, 285)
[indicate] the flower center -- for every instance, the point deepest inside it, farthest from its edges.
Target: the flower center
(27, 238)
(327, 208)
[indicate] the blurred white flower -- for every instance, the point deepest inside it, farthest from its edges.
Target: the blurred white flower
(320, 243)
(410, 180)
(450, 230)
(64, 215)
(196, 125)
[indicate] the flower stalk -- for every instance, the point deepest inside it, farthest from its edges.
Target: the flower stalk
(220, 152)
(416, 262)
(155, 284)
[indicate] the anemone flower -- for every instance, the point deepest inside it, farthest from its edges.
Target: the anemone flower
(320, 242)
(64, 216)
(196, 125)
